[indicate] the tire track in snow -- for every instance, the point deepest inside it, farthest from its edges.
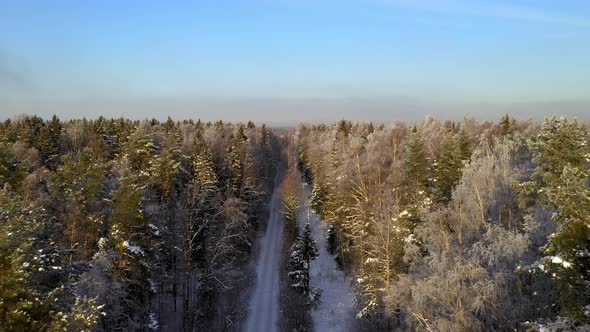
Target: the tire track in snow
(263, 310)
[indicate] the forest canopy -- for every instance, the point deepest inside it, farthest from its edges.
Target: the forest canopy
(126, 225)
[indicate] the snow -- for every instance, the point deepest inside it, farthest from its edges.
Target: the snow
(264, 304)
(133, 248)
(336, 302)
(153, 322)
(558, 260)
(152, 286)
(155, 229)
(532, 268)
(410, 238)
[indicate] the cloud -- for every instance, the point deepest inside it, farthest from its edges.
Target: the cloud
(494, 10)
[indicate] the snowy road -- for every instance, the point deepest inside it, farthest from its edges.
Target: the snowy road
(336, 302)
(264, 306)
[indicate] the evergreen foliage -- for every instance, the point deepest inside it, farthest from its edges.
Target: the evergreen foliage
(118, 224)
(304, 250)
(105, 223)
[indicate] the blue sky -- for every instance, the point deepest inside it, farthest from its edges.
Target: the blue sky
(266, 59)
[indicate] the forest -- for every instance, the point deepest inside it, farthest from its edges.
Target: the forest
(128, 225)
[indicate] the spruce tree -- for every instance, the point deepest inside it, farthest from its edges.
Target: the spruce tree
(507, 125)
(560, 181)
(318, 196)
(447, 168)
(251, 192)
(205, 178)
(167, 166)
(36, 282)
(332, 239)
(234, 168)
(416, 164)
(570, 246)
(12, 170)
(464, 145)
(138, 150)
(560, 143)
(78, 186)
(304, 250)
(48, 142)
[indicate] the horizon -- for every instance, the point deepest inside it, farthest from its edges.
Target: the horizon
(242, 111)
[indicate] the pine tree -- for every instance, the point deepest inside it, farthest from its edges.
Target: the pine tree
(332, 239)
(560, 181)
(507, 125)
(139, 150)
(241, 134)
(447, 168)
(130, 240)
(464, 145)
(34, 278)
(29, 128)
(129, 231)
(12, 170)
(416, 163)
(570, 245)
(343, 129)
(169, 125)
(265, 135)
(304, 250)
(560, 143)
(368, 289)
(48, 142)
(234, 168)
(303, 162)
(121, 131)
(167, 166)
(370, 128)
(78, 186)
(249, 189)
(318, 196)
(204, 198)
(251, 192)
(205, 179)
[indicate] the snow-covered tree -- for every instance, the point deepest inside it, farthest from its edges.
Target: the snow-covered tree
(318, 196)
(417, 168)
(234, 167)
(332, 239)
(78, 186)
(304, 250)
(205, 181)
(167, 167)
(447, 169)
(35, 291)
(560, 183)
(569, 247)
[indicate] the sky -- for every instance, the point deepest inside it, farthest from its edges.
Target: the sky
(288, 61)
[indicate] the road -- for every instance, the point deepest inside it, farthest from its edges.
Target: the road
(263, 312)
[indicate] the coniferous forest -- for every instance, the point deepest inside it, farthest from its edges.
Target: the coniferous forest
(127, 225)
